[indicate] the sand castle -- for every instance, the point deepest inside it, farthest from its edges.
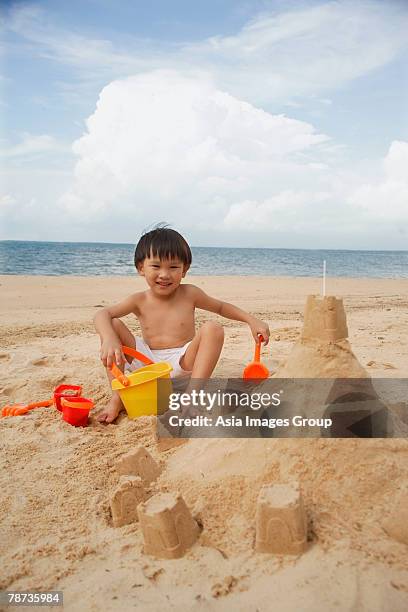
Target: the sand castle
(167, 524)
(139, 462)
(325, 319)
(323, 350)
(281, 526)
(125, 499)
(137, 469)
(168, 527)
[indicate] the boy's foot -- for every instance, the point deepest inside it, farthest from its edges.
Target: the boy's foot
(110, 413)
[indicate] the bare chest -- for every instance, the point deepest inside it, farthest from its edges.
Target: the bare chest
(167, 325)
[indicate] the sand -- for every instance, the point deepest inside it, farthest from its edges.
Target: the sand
(56, 480)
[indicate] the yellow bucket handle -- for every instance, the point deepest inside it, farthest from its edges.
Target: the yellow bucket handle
(124, 380)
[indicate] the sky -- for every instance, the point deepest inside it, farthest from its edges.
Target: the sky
(263, 123)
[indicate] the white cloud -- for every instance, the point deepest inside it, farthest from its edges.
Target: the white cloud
(285, 210)
(295, 53)
(387, 197)
(76, 49)
(165, 144)
(396, 162)
(7, 201)
(305, 50)
(28, 208)
(32, 145)
(169, 146)
(189, 143)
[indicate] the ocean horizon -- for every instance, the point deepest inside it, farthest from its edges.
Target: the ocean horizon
(116, 259)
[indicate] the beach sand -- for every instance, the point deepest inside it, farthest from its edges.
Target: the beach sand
(56, 480)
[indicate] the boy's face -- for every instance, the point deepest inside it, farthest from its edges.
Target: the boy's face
(162, 275)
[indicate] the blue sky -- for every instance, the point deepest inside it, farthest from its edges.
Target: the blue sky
(254, 123)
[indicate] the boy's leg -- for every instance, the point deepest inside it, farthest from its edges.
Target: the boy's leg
(115, 405)
(202, 354)
(200, 358)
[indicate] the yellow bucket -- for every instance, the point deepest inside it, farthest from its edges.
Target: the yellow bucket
(139, 390)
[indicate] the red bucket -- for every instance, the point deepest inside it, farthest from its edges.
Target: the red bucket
(75, 410)
(67, 391)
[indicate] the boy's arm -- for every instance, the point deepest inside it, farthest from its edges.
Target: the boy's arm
(229, 311)
(111, 346)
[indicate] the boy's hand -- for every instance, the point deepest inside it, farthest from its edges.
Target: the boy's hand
(111, 352)
(259, 327)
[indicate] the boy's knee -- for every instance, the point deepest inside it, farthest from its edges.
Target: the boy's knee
(213, 329)
(125, 336)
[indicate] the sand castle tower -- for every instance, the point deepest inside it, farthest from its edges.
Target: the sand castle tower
(325, 319)
(167, 525)
(323, 350)
(281, 525)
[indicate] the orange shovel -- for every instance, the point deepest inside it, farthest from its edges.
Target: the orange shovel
(20, 409)
(256, 369)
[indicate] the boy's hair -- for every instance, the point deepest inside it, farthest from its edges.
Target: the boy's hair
(164, 243)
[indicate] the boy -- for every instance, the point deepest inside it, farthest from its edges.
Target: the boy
(166, 315)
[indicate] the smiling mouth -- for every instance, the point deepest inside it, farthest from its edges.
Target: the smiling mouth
(164, 284)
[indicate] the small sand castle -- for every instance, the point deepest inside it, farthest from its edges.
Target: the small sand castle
(323, 350)
(138, 462)
(281, 526)
(125, 499)
(168, 528)
(137, 470)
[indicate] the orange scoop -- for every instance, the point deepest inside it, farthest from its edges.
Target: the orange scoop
(20, 409)
(256, 369)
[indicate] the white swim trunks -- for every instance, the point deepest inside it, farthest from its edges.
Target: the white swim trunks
(171, 355)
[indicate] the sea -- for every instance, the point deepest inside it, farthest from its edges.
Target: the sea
(106, 259)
